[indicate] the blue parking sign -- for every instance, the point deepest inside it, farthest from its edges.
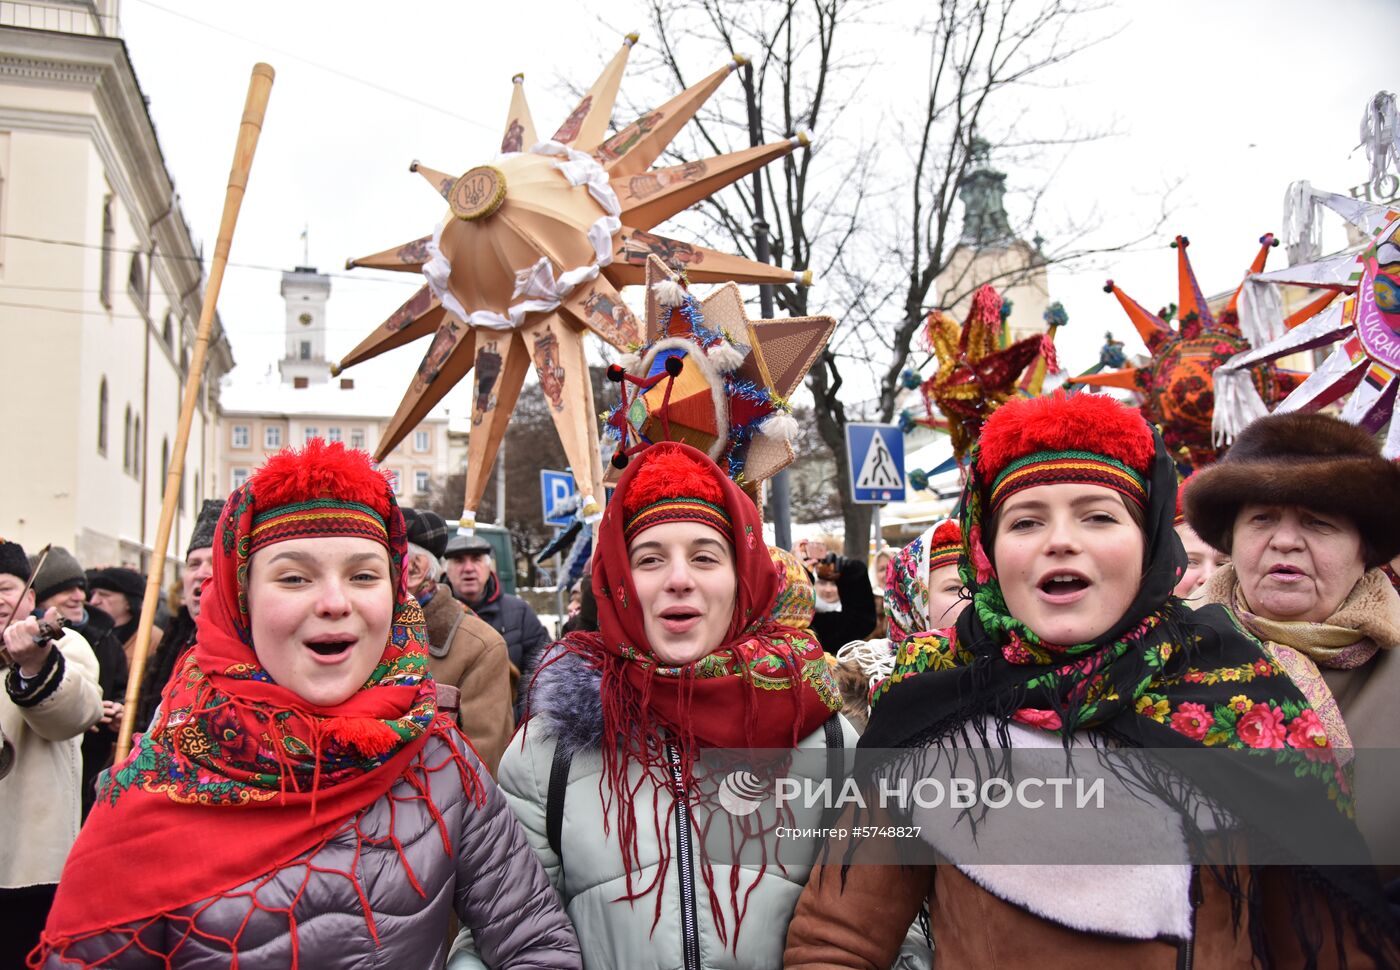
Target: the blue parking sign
(875, 456)
(555, 487)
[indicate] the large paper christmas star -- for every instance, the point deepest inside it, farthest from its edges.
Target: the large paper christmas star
(713, 378)
(977, 372)
(1178, 386)
(531, 255)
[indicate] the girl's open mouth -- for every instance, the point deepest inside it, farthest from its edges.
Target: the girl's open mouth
(680, 619)
(1063, 587)
(330, 649)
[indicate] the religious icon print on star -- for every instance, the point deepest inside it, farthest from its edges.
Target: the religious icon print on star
(641, 186)
(416, 306)
(569, 130)
(607, 313)
(640, 244)
(551, 374)
(622, 142)
(514, 138)
(443, 342)
(414, 252)
(488, 369)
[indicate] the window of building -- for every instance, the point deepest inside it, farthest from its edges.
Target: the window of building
(136, 280)
(109, 241)
(420, 482)
(138, 445)
(240, 475)
(332, 434)
(241, 436)
(102, 417)
(305, 350)
(166, 332)
(308, 434)
(357, 438)
(420, 441)
(396, 480)
(165, 465)
(126, 441)
(272, 437)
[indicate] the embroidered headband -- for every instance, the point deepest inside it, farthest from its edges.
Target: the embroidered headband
(945, 546)
(1060, 438)
(321, 490)
(673, 487)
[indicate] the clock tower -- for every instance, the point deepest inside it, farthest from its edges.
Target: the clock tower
(305, 292)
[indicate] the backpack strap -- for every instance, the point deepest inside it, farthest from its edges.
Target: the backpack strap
(554, 798)
(835, 740)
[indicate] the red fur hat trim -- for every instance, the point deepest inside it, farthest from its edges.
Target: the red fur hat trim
(1062, 422)
(668, 473)
(322, 471)
(947, 534)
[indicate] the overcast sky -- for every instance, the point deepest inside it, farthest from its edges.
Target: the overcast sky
(1231, 99)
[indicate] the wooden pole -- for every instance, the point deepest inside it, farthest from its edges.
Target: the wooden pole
(259, 89)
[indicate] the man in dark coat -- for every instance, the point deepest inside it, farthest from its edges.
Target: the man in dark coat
(199, 568)
(467, 658)
(62, 585)
(850, 615)
(471, 572)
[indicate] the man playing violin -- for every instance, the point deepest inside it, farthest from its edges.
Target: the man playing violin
(50, 698)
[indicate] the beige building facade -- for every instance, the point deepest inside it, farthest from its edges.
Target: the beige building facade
(101, 284)
(301, 402)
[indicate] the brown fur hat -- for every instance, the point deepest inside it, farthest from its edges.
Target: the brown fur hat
(1313, 460)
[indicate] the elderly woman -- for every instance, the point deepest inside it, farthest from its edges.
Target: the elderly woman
(1309, 511)
(299, 799)
(1074, 639)
(606, 772)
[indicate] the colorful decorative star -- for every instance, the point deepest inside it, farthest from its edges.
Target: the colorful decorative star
(1177, 386)
(713, 378)
(1363, 327)
(977, 372)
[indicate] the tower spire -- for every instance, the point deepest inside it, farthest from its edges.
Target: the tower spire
(982, 190)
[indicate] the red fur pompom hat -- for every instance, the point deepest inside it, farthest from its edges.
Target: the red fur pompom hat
(321, 490)
(671, 486)
(945, 545)
(1083, 438)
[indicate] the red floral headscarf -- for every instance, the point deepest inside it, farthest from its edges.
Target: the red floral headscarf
(764, 686)
(243, 768)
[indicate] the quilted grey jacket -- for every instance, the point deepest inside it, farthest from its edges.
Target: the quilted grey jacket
(590, 878)
(492, 880)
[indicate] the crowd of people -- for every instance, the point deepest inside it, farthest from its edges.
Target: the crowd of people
(358, 750)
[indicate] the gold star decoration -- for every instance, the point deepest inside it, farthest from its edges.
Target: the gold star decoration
(531, 255)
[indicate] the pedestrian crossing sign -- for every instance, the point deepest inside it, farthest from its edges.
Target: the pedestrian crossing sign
(875, 453)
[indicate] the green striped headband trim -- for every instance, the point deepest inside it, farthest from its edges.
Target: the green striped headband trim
(317, 517)
(679, 509)
(1056, 467)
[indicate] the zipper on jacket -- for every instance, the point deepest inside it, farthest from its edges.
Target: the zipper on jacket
(1187, 954)
(690, 939)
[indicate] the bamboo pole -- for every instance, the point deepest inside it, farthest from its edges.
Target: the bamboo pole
(259, 90)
